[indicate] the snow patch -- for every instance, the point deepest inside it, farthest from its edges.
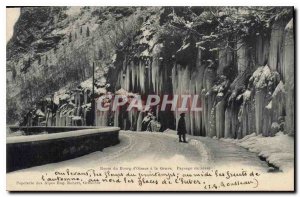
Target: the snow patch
(263, 77)
(247, 95)
(39, 113)
(87, 84)
(279, 88)
(74, 10)
(277, 150)
(145, 53)
(214, 49)
(290, 25)
(100, 91)
(121, 92)
(183, 47)
(220, 94)
(269, 106)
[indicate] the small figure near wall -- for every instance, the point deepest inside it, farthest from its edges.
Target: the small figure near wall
(181, 129)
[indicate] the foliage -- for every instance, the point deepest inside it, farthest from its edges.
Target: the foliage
(231, 24)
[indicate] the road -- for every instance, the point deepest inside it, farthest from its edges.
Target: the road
(143, 148)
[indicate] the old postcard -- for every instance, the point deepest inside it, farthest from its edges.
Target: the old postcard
(150, 98)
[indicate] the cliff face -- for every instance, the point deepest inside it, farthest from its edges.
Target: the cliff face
(240, 61)
(54, 48)
(32, 32)
(235, 60)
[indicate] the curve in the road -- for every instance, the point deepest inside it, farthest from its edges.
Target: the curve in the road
(150, 147)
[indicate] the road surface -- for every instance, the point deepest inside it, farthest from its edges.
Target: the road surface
(142, 148)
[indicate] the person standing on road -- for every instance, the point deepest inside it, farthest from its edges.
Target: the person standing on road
(181, 129)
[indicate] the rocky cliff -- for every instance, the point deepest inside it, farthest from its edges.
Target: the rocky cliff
(239, 60)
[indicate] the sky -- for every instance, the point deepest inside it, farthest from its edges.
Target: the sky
(12, 15)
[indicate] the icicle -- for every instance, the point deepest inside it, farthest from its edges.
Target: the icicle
(133, 75)
(155, 75)
(275, 56)
(220, 119)
(116, 118)
(142, 77)
(259, 110)
(139, 121)
(289, 73)
(262, 50)
(242, 58)
(227, 129)
(57, 118)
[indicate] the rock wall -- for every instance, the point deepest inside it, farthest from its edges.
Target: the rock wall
(289, 77)
(255, 99)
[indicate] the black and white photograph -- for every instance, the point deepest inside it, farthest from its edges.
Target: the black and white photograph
(150, 98)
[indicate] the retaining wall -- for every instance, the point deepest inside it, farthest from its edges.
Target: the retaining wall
(33, 150)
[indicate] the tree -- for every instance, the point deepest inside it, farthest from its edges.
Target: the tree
(70, 37)
(14, 72)
(87, 32)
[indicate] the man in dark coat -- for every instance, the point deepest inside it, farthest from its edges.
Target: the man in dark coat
(181, 129)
